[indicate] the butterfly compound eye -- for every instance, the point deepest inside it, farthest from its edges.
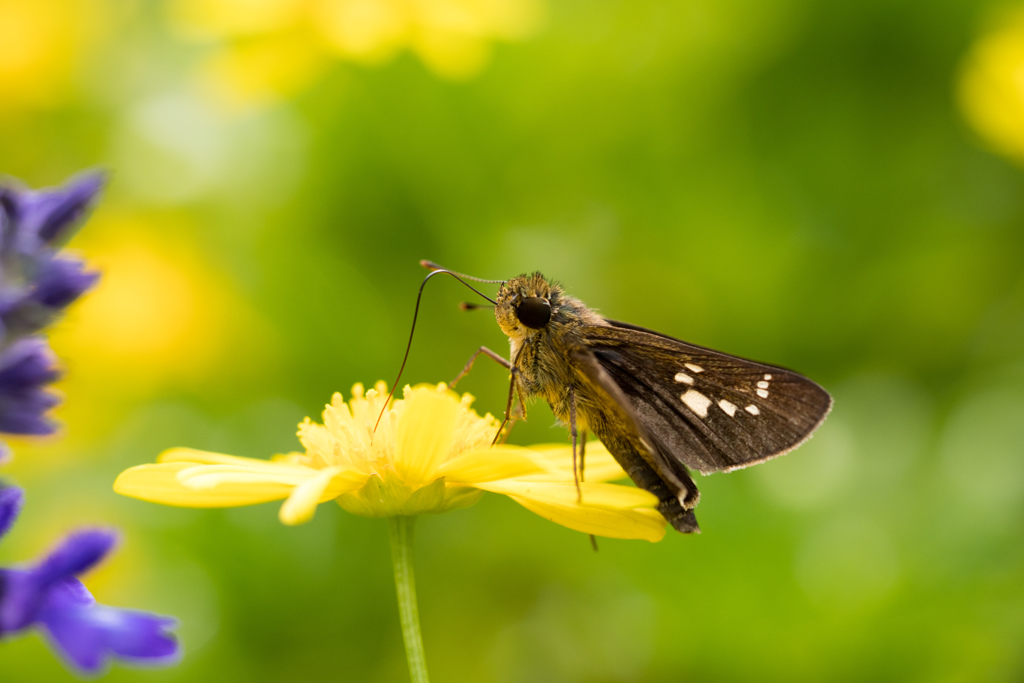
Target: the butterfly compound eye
(534, 312)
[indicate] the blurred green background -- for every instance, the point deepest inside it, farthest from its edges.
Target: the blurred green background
(834, 187)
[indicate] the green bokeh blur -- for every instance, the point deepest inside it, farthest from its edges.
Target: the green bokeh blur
(789, 181)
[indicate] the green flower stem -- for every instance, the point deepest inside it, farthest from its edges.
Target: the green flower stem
(405, 585)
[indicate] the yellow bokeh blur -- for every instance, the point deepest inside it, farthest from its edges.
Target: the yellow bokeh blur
(213, 20)
(273, 49)
(42, 43)
(992, 86)
(158, 311)
(256, 72)
(369, 31)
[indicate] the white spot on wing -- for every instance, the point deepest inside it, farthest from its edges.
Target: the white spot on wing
(729, 408)
(762, 385)
(694, 368)
(763, 393)
(767, 377)
(697, 402)
(752, 409)
(684, 378)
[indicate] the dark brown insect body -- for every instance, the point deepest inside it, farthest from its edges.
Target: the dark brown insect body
(658, 404)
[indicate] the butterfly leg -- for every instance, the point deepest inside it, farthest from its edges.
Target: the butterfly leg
(583, 450)
(469, 365)
(511, 389)
(508, 406)
(572, 430)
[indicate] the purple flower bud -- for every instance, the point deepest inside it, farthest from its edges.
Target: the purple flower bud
(61, 281)
(79, 552)
(30, 305)
(27, 591)
(50, 596)
(11, 500)
(35, 219)
(26, 368)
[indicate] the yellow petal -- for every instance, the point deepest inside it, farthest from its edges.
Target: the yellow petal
(213, 476)
(326, 484)
(160, 484)
(607, 509)
(425, 436)
(195, 457)
(612, 496)
(490, 464)
(642, 523)
(599, 465)
(290, 459)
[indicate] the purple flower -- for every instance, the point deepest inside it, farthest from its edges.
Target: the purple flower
(49, 595)
(36, 284)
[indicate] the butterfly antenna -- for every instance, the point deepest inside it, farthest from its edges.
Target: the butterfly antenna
(436, 270)
(470, 306)
(433, 266)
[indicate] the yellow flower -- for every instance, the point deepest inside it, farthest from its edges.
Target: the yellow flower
(430, 453)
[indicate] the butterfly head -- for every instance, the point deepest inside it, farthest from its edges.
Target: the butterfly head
(525, 305)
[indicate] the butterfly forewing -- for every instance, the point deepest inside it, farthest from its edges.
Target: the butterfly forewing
(709, 410)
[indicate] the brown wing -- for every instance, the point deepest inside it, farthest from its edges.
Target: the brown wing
(708, 410)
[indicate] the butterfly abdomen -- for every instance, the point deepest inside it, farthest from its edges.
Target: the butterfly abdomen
(627, 451)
